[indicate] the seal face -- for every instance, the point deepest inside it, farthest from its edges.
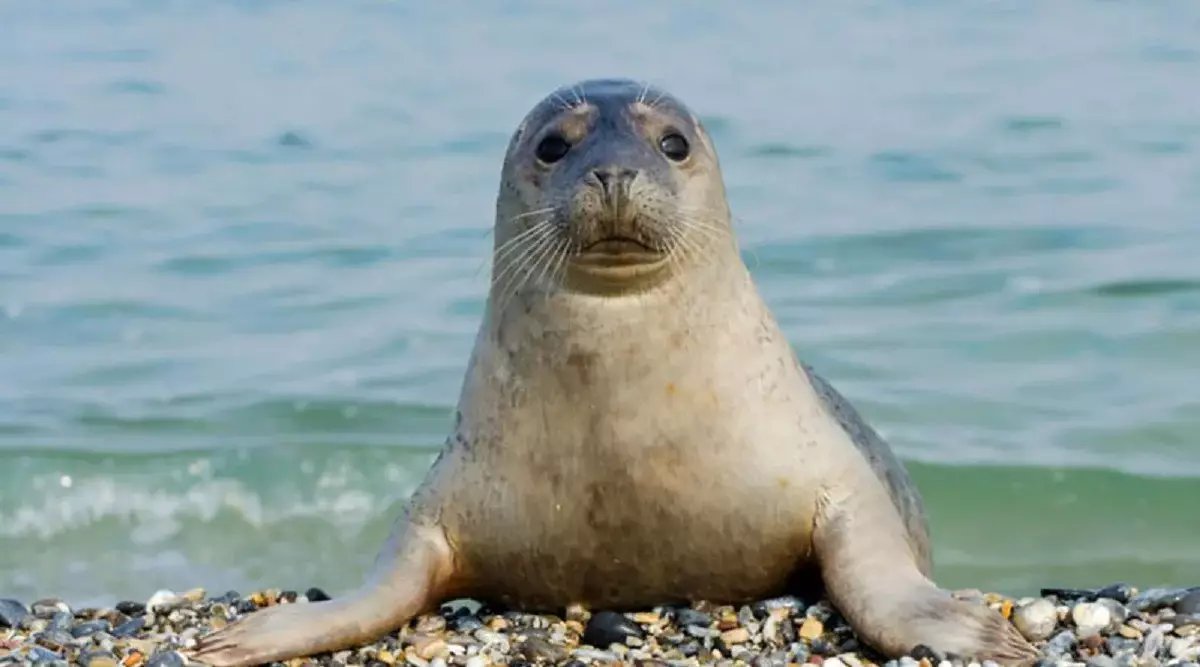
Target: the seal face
(634, 428)
(596, 174)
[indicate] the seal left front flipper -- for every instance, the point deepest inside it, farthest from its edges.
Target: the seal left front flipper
(890, 604)
(410, 577)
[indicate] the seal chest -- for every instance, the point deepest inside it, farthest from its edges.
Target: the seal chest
(639, 440)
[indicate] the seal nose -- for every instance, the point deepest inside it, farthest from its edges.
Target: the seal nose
(614, 180)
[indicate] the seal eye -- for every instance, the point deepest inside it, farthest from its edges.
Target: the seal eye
(674, 146)
(552, 148)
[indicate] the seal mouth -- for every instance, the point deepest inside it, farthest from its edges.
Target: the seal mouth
(618, 251)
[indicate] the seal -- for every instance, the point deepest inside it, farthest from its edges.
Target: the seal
(634, 429)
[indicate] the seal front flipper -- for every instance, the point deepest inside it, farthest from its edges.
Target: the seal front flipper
(890, 604)
(411, 576)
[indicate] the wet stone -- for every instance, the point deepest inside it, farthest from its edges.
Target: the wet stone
(596, 655)
(1036, 620)
(1117, 613)
(166, 659)
(1120, 592)
(129, 628)
(823, 648)
(162, 601)
(923, 652)
(97, 659)
(130, 608)
(1117, 644)
(1090, 618)
(1189, 603)
(539, 649)
(55, 640)
(1061, 644)
(48, 607)
(607, 627)
(1069, 594)
(1157, 598)
(316, 595)
(789, 602)
(1153, 643)
(90, 628)
(59, 621)
(40, 654)
(685, 616)
(465, 624)
(12, 612)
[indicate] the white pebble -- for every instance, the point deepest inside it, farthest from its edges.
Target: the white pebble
(1036, 621)
(1090, 618)
(850, 659)
(1184, 648)
(602, 656)
(477, 661)
(833, 662)
(161, 599)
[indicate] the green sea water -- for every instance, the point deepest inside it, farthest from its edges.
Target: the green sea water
(244, 249)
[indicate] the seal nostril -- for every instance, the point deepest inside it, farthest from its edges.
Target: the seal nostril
(614, 178)
(604, 176)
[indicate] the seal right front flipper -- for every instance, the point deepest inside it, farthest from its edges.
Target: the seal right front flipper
(887, 600)
(411, 576)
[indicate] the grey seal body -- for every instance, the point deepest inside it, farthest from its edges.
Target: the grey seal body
(634, 429)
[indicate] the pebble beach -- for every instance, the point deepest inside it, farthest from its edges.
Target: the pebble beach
(1116, 626)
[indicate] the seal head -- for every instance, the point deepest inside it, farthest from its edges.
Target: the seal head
(593, 189)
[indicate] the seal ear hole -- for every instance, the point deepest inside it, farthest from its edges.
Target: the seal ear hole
(552, 148)
(675, 146)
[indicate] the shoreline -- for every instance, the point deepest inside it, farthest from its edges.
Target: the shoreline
(1115, 626)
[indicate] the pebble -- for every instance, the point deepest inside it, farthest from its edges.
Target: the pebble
(130, 627)
(12, 612)
(609, 627)
(688, 616)
(811, 629)
(1184, 648)
(316, 595)
(166, 659)
(1090, 618)
(1189, 604)
(1036, 620)
(735, 636)
(536, 648)
(131, 608)
(49, 607)
(161, 601)
(1074, 628)
(1157, 598)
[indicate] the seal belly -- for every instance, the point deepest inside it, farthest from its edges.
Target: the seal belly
(613, 510)
(634, 537)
